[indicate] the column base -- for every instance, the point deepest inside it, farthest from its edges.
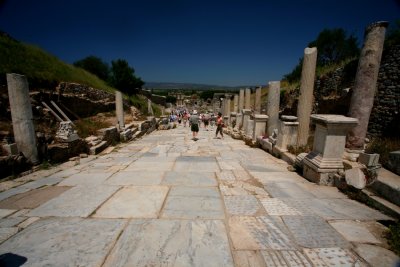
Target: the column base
(321, 171)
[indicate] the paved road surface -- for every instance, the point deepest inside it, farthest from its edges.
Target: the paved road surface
(167, 200)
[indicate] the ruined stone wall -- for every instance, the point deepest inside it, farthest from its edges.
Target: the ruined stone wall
(385, 115)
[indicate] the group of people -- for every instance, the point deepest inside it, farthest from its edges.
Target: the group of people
(195, 120)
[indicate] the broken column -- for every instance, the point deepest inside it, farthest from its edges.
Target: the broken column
(241, 100)
(325, 160)
(21, 114)
(119, 106)
(236, 103)
(273, 106)
(260, 123)
(247, 98)
(362, 98)
(257, 101)
(305, 105)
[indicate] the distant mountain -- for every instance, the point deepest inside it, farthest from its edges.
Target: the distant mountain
(190, 86)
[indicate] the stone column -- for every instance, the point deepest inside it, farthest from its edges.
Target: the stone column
(236, 103)
(257, 102)
(304, 107)
(228, 109)
(223, 107)
(260, 123)
(247, 98)
(241, 100)
(362, 98)
(21, 114)
(119, 106)
(328, 147)
(232, 119)
(273, 106)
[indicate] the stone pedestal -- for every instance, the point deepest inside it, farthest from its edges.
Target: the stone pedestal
(245, 119)
(22, 117)
(247, 98)
(273, 106)
(287, 133)
(329, 142)
(249, 128)
(226, 120)
(239, 117)
(119, 106)
(227, 105)
(232, 119)
(260, 123)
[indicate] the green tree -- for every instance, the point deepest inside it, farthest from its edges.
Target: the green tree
(95, 66)
(334, 45)
(122, 77)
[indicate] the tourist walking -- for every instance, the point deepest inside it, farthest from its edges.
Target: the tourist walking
(220, 124)
(194, 122)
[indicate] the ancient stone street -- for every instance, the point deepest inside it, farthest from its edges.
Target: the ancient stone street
(166, 200)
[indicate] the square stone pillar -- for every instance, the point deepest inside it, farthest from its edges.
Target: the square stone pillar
(236, 103)
(245, 118)
(239, 122)
(257, 101)
(247, 97)
(250, 128)
(328, 147)
(232, 119)
(260, 123)
(287, 133)
(226, 120)
(119, 110)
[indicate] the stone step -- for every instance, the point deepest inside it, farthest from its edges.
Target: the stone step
(94, 150)
(381, 203)
(387, 186)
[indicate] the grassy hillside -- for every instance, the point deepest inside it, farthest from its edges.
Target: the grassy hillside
(41, 68)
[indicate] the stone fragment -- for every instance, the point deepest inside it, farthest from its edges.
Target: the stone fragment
(355, 177)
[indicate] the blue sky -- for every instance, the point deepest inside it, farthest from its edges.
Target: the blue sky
(219, 42)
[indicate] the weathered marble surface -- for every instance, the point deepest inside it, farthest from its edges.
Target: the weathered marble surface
(65, 241)
(333, 257)
(190, 179)
(148, 177)
(287, 190)
(79, 201)
(193, 203)
(88, 179)
(242, 205)
(377, 256)
(355, 231)
(172, 243)
(134, 202)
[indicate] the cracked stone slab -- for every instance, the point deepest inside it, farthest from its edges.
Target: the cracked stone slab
(355, 231)
(193, 203)
(136, 178)
(11, 222)
(190, 179)
(255, 233)
(242, 205)
(79, 201)
(7, 232)
(226, 176)
(6, 212)
(65, 242)
(314, 232)
(242, 175)
(134, 202)
(275, 206)
(172, 243)
(287, 190)
(377, 256)
(333, 257)
(87, 179)
(232, 190)
(285, 258)
(229, 165)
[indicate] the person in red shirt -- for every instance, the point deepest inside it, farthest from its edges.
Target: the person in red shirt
(220, 124)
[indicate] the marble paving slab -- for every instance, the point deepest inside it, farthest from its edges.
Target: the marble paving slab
(242, 175)
(134, 202)
(202, 166)
(32, 198)
(333, 257)
(287, 190)
(377, 256)
(42, 182)
(255, 233)
(79, 201)
(314, 232)
(193, 203)
(277, 207)
(190, 179)
(232, 190)
(11, 222)
(6, 212)
(65, 242)
(6, 233)
(242, 205)
(226, 176)
(155, 166)
(285, 258)
(270, 177)
(250, 258)
(355, 231)
(172, 243)
(264, 168)
(311, 207)
(230, 165)
(148, 177)
(87, 179)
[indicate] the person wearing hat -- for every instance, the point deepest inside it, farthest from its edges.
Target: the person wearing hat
(194, 121)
